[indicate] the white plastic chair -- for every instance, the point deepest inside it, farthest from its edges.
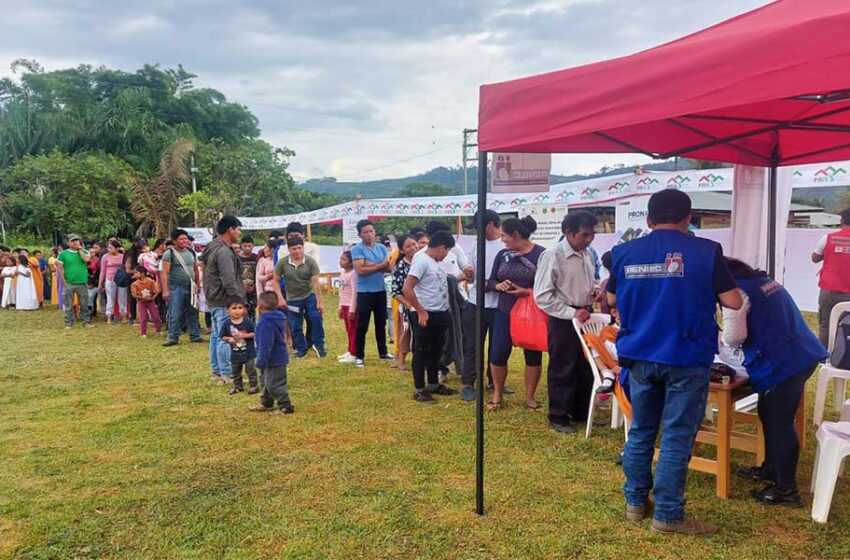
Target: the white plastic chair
(828, 372)
(594, 325)
(833, 449)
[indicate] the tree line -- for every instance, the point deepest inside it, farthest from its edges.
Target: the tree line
(102, 151)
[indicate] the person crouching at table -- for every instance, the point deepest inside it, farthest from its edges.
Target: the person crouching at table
(780, 354)
(426, 289)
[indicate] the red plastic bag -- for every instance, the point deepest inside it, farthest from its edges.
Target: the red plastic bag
(529, 325)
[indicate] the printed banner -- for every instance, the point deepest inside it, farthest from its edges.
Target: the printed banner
(520, 173)
(202, 236)
(548, 218)
(630, 218)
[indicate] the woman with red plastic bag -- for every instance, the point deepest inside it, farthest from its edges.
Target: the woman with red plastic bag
(513, 278)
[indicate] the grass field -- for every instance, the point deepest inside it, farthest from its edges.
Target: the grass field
(112, 447)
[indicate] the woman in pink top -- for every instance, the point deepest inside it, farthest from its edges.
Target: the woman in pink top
(265, 270)
(111, 262)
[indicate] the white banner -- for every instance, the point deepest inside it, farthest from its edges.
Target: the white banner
(548, 218)
(201, 236)
(630, 218)
(520, 173)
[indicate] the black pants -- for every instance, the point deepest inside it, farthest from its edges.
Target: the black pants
(275, 388)
(250, 371)
(569, 378)
(777, 410)
(428, 344)
(251, 306)
(131, 305)
(470, 340)
(369, 303)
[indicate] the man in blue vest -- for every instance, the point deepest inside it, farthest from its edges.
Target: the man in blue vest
(666, 287)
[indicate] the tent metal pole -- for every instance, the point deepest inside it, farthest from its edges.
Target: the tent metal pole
(771, 220)
(479, 331)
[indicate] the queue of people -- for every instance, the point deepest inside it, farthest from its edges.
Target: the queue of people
(662, 292)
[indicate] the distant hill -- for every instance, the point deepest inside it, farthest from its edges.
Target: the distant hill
(451, 177)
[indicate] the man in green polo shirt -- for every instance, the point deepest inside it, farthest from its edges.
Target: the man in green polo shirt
(73, 271)
(303, 297)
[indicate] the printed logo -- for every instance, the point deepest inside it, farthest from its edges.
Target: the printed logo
(770, 288)
(798, 174)
(565, 195)
(646, 184)
(678, 182)
(709, 181)
(828, 174)
(589, 193)
(672, 267)
(618, 188)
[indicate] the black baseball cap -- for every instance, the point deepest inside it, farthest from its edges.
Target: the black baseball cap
(669, 206)
(490, 217)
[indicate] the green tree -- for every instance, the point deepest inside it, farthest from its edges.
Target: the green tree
(425, 189)
(61, 193)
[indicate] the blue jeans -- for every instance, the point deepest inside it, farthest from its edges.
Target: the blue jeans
(673, 398)
(180, 306)
(306, 308)
(219, 350)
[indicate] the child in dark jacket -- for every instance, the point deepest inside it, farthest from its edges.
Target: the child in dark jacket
(272, 356)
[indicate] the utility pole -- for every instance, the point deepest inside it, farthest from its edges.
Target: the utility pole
(468, 137)
(194, 169)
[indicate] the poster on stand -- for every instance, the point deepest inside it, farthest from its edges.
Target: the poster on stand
(548, 218)
(630, 218)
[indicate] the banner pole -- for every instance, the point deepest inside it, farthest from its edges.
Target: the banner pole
(479, 331)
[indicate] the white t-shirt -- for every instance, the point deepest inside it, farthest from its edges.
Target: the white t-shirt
(821, 246)
(453, 264)
(432, 289)
(491, 249)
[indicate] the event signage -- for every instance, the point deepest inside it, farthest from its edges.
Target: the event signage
(520, 173)
(630, 218)
(589, 192)
(548, 218)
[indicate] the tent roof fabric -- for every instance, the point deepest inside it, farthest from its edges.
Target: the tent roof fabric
(771, 86)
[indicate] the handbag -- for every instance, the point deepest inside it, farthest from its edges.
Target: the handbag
(529, 325)
(193, 292)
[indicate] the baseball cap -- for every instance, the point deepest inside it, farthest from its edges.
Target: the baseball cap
(74, 237)
(490, 217)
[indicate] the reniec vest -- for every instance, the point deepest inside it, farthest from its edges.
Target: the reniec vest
(835, 274)
(779, 344)
(666, 299)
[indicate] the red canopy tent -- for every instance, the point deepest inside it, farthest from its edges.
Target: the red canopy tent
(768, 88)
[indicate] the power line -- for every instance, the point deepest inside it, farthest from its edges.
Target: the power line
(405, 160)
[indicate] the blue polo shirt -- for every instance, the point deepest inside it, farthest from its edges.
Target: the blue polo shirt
(377, 253)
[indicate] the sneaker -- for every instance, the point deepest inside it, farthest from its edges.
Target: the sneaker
(754, 473)
(143, 336)
(424, 397)
(88, 326)
(260, 408)
(301, 354)
(562, 428)
(359, 363)
(772, 495)
(320, 351)
(388, 357)
(348, 359)
(345, 356)
(235, 390)
(199, 339)
(443, 390)
(689, 526)
(467, 393)
(170, 342)
(285, 410)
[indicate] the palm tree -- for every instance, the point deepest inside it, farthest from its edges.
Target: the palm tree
(155, 201)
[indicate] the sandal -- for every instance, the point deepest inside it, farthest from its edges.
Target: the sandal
(494, 406)
(536, 408)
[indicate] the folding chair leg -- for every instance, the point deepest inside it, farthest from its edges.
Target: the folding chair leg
(590, 412)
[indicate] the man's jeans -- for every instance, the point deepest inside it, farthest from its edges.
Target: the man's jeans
(82, 293)
(673, 398)
(306, 308)
(180, 306)
(219, 350)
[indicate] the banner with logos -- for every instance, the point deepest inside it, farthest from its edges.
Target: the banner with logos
(589, 192)
(548, 218)
(630, 218)
(520, 173)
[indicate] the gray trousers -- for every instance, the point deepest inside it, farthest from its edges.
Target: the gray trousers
(826, 301)
(274, 388)
(82, 293)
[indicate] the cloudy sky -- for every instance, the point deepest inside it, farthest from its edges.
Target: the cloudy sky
(360, 90)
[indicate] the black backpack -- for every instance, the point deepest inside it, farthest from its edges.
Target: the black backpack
(840, 356)
(123, 279)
